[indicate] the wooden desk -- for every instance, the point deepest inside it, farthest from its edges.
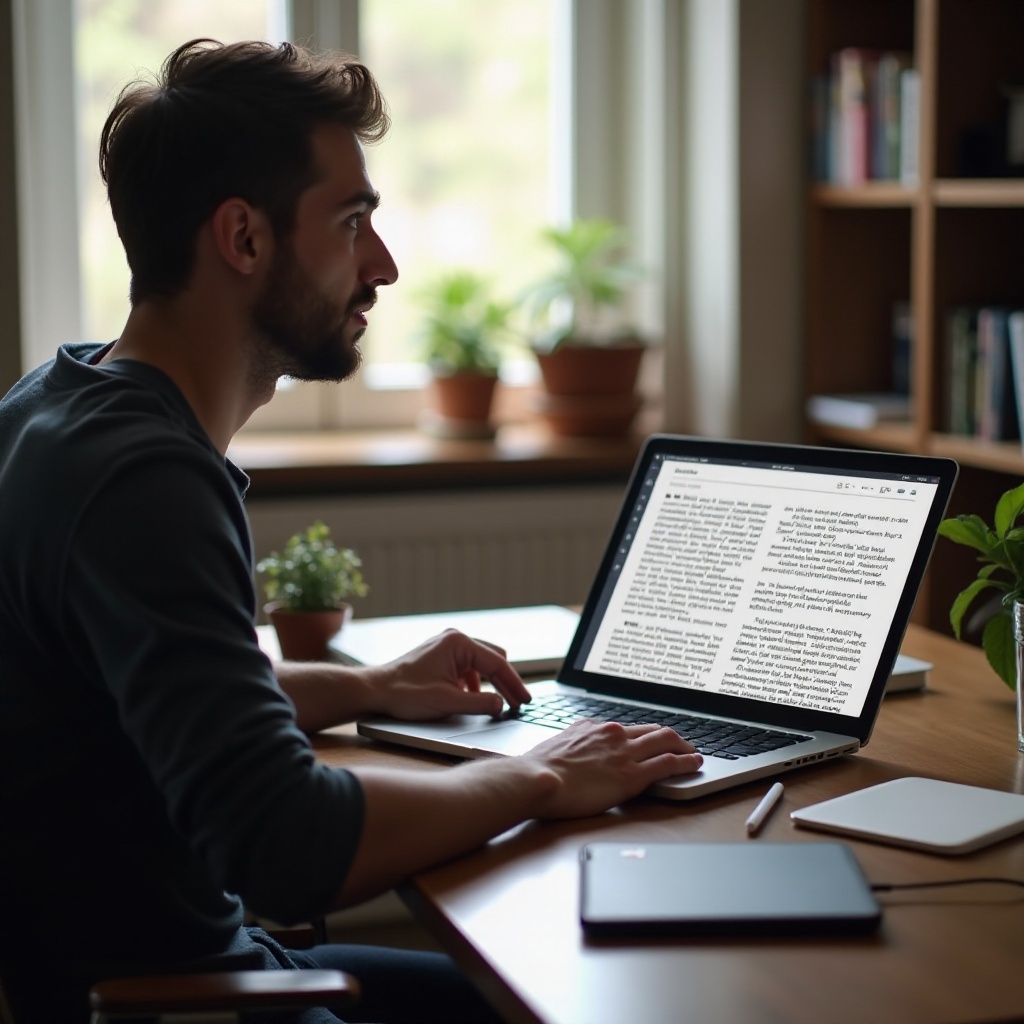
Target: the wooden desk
(508, 913)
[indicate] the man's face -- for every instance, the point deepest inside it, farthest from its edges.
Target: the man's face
(324, 278)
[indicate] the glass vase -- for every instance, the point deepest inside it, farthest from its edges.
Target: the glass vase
(1018, 636)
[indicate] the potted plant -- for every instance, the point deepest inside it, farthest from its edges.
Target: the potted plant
(589, 359)
(307, 585)
(1000, 551)
(462, 337)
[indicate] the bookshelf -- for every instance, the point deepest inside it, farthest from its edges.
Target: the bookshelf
(949, 238)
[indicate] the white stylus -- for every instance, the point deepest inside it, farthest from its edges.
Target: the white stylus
(764, 808)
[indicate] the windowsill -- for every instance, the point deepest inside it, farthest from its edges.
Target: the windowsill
(282, 463)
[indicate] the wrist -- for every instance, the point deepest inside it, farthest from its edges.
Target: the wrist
(373, 684)
(326, 694)
(525, 783)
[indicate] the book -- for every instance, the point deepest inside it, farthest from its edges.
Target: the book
(1015, 330)
(908, 674)
(984, 371)
(859, 410)
(910, 103)
(961, 362)
(855, 70)
(980, 391)
(997, 418)
(864, 118)
(535, 638)
(902, 346)
(819, 129)
(887, 115)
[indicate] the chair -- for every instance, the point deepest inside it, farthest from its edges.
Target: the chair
(218, 997)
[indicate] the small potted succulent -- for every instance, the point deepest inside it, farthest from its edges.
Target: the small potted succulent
(589, 357)
(463, 333)
(307, 585)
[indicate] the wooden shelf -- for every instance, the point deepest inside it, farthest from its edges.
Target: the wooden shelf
(1001, 192)
(887, 437)
(953, 240)
(871, 195)
(1001, 457)
(952, 192)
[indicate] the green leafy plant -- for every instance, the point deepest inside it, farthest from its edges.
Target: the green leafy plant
(591, 276)
(311, 574)
(465, 326)
(1001, 555)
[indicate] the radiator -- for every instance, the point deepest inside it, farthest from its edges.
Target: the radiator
(458, 550)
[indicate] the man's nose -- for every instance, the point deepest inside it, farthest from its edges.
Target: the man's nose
(381, 268)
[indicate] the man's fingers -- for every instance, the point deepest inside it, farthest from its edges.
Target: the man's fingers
(514, 694)
(661, 752)
(664, 765)
(469, 702)
(490, 663)
(494, 647)
(656, 737)
(471, 680)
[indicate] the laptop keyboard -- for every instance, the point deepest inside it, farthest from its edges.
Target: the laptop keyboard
(730, 740)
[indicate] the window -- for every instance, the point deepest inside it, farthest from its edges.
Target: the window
(521, 93)
(116, 40)
(465, 170)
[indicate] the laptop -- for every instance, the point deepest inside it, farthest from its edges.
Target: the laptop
(751, 596)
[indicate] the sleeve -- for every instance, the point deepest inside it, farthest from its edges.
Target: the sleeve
(158, 592)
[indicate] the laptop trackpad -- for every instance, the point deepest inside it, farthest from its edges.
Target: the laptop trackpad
(509, 738)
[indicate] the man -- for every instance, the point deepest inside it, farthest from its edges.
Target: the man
(155, 769)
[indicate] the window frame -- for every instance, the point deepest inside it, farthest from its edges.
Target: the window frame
(616, 69)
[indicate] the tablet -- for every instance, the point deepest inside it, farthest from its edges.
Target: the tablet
(923, 814)
(739, 889)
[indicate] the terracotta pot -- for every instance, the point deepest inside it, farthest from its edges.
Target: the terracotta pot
(588, 415)
(590, 391)
(591, 370)
(462, 405)
(303, 636)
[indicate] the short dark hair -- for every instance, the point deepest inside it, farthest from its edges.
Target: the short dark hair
(223, 120)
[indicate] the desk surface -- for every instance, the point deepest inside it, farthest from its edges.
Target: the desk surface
(508, 913)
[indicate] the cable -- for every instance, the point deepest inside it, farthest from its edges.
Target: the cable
(883, 887)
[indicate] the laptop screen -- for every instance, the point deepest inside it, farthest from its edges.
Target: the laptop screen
(782, 575)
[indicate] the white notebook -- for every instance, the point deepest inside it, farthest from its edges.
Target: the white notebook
(535, 638)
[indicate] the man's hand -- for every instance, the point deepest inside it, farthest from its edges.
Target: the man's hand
(415, 819)
(440, 677)
(601, 764)
(443, 676)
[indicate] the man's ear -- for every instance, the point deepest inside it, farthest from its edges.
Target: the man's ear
(242, 234)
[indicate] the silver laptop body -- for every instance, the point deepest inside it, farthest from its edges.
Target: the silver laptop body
(767, 586)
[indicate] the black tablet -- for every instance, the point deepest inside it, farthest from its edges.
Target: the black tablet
(740, 889)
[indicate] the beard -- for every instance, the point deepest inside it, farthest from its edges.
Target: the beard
(304, 330)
